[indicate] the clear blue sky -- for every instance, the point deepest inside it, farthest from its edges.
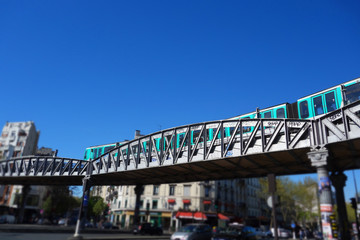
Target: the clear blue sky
(92, 72)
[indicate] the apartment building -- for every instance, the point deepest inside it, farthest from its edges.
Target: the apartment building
(173, 205)
(168, 205)
(19, 139)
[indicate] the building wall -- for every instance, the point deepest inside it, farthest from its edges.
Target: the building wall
(160, 203)
(19, 139)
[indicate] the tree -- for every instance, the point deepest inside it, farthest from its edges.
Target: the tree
(305, 196)
(284, 190)
(58, 201)
(96, 207)
(297, 199)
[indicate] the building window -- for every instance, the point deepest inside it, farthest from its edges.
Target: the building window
(207, 191)
(207, 207)
(119, 204)
(172, 190)
(141, 204)
(156, 190)
(187, 190)
(126, 201)
(154, 204)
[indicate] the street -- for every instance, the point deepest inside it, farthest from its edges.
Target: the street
(64, 236)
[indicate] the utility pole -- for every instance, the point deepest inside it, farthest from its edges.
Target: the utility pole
(354, 206)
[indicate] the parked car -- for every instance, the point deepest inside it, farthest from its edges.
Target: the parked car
(109, 225)
(282, 233)
(236, 231)
(193, 231)
(7, 219)
(318, 235)
(260, 233)
(147, 228)
(62, 221)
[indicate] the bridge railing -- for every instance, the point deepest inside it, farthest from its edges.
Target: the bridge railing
(200, 142)
(43, 166)
(340, 125)
(207, 141)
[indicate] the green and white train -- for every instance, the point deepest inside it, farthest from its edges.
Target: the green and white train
(309, 107)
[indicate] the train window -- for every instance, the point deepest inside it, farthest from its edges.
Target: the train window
(231, 130)
(280, 113)
(196, 134)
(246, 129)
(209, 134)
(330, 101)
(304, 109)
(318, 105)
(352, 93)
(108, 148)
(267, 114)
(95, 152)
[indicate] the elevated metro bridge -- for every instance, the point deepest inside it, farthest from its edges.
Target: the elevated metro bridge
(254, 148)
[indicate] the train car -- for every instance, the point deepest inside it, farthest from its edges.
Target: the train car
(328, 100)
(311, 106)
(96, 151)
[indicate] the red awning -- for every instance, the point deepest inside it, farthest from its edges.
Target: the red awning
(206, 202)
(186, 201)
(223, 217)
(200, 216)
(188, 215)
(171, 201)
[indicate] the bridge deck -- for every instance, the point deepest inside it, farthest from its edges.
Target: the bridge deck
(278, 146)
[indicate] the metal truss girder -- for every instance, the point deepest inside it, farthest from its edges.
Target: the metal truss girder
(335, 130)
(352, 116)
(252, 137)
(213, 140)
(192, 152)
(299, 134)
(244, 137)
(273, 137)
(232, 138)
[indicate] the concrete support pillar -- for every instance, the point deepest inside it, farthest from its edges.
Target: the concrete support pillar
(139, 189)
(318, 157)
(83, 207)
(25, 193)
(338, 180)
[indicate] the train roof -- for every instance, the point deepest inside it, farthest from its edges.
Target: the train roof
(105, 145)
(260, 110)
(330, 88)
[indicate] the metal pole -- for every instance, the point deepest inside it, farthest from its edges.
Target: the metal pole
(84, 203)
(272, 190)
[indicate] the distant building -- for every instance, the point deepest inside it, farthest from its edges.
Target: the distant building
(20, 139)
(173, 205)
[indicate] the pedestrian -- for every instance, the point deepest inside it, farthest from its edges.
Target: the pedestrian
(301, 234)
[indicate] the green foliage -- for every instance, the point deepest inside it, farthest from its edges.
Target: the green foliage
(298, 200)
(99, 207)
(59, 201)
(350, 212)
(96, 207)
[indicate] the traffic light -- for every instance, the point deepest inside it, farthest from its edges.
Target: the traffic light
(353, 203)
(216, 205)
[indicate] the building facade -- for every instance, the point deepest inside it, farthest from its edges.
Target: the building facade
(20, 139)
(173, 205)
